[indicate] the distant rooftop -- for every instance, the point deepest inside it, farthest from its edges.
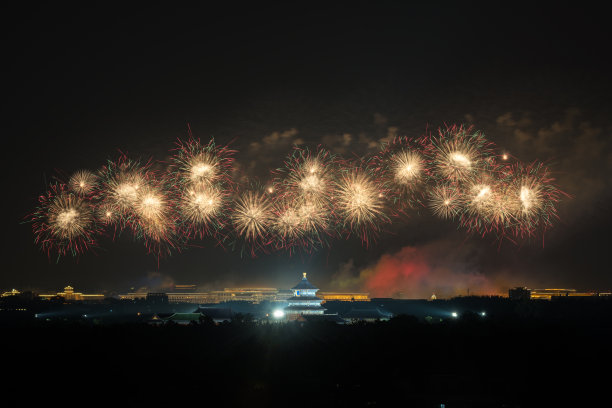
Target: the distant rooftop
(304, 284)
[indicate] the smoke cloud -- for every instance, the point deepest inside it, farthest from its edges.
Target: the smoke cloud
(442, 268)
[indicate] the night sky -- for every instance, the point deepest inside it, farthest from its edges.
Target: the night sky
(82, 83)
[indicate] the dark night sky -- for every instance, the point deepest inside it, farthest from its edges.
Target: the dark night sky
(82, 83)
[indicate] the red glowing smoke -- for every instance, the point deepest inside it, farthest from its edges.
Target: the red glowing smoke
(395, 272)
(442, 268)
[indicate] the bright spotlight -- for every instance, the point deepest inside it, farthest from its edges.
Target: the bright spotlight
(483, 314)
(278, 313)
(455, 314)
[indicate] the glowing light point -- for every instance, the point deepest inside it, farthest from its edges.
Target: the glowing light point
(460, 159)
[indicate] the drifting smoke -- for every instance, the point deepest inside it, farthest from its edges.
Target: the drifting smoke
(156, 281)
(418, 272)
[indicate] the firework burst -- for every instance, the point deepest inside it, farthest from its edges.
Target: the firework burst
(120, 186)
(315, 196)
(83, 182)
(457, 153)
(534, 197)
(300, 224)
(287, 224)
(403, 168)
(155, 220)
(307, 176)
(360, 203)
(196, 164)
(484, 209)
(252, 217)
(202, 208)
(305, 185)
(446, 201)
(106, 214)
(408, 168)
(64, 223)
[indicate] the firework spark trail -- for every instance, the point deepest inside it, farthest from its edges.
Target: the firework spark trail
(314, 198)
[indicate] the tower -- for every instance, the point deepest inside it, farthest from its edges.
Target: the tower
(304, 300)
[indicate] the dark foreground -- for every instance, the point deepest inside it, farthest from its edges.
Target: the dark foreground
(469, 362)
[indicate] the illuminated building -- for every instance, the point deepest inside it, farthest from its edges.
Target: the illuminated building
(187, 294)
(283, 295)
(70, 295)
(523, 293)
(253, 295)
(133, 296)
(548, 294)
(189, 297)
(344, 297)
(13, 292)
(304, 300)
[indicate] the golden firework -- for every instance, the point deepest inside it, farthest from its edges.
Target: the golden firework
(82, 182)
(69, 217)
(407, 168)
(201, 204)
(445, 201)
(358, 200)
(252, 216)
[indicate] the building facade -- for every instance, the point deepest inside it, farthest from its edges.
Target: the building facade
(181, 295)
(70, 295)
(523, 293)
(344, 296)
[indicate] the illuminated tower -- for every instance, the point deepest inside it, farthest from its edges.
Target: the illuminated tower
(304, 300)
